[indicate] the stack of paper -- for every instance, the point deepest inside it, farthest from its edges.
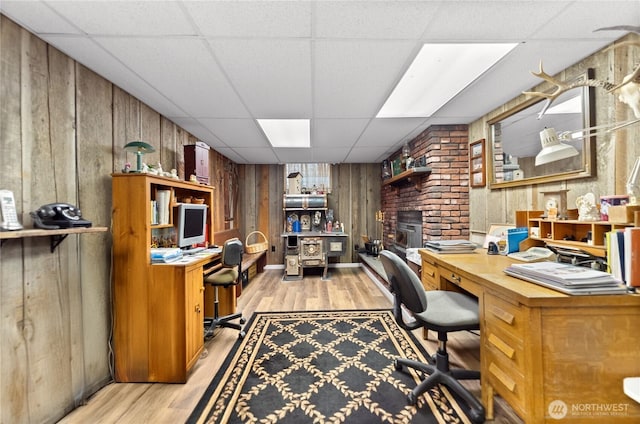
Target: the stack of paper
(570, 279)
(451, 246)
(165, 254)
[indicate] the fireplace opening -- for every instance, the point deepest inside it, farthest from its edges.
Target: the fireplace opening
(408, 232)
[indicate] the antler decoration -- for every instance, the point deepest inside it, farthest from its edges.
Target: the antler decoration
(628, 96)
(562, 87)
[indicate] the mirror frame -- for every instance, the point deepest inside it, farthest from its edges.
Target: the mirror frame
(588, 168)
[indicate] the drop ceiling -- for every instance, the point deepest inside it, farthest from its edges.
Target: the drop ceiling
(214, 67)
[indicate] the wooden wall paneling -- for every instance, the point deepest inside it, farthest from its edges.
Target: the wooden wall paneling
(342, 202)
(263, 197)
(358, 185)
(46, 303)
(14, 371)
(169, 144)
(150, 132)
(94, 159)
(248, 188)
(217, 179)
(275, 188)
(181, 139)
(62, 109)
(126, 127)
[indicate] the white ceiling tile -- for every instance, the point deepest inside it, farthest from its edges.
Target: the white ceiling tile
(92, 56)
(183, 70)
(37, 17)
(373, 20)
(367, 155)
(581, 20)
(490, 20)
(236, 132)
(333, 155)
(257, 155)
(273, 77)
(387, 131)
(251, 18)
(331, 133)
(126, 17)
(353, 79)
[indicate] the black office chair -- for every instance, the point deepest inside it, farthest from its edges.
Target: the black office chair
(440, 311)
(228, 276)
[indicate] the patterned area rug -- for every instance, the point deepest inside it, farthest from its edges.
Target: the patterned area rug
(322, 367)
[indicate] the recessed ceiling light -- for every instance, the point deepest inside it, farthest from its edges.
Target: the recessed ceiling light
(437, 74)
(294, 133)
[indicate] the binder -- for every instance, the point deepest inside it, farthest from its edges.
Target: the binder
(632, 256)
(514, 237)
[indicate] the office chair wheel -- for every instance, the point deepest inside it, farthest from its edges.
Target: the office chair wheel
(476, 416)
(241, 335)
(242, 320)
(397, 365)
(412, 399)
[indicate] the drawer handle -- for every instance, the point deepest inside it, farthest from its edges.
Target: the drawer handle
(454, 277)
(503, 315)
(502, 377)
(431, 274)
(502, 346)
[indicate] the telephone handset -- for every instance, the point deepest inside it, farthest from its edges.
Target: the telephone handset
(58, 215)
(9, 216)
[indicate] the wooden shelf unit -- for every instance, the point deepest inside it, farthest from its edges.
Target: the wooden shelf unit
(407, 176)
(158, 309)
(568, 232)
(56, 236)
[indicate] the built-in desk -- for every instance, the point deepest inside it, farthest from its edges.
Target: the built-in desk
(544, 352)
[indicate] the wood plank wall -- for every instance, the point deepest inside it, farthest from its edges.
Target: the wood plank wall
(355, 199)
(62, 132)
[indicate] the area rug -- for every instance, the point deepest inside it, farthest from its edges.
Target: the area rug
(322, 367)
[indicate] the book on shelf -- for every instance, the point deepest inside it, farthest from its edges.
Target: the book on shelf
(162, 199)
(623, 254)
(632, 256)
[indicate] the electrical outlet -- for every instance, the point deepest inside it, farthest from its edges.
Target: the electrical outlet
(273, 248)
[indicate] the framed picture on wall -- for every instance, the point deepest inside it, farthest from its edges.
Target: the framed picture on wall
(477, 164)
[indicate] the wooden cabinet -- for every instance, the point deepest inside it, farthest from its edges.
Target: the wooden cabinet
(585, 235)
(196, 162)
(158, 309)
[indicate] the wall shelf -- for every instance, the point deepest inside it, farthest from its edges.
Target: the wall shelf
(407, 176)
(56, 236)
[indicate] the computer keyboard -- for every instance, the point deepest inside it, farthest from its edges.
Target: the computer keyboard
(192, 251)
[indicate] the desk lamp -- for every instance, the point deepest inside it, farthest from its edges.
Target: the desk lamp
(552, 148)
(139, 148)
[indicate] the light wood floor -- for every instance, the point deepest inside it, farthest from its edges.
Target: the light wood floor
(348, 288)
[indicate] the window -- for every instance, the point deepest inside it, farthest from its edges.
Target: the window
(316, 175)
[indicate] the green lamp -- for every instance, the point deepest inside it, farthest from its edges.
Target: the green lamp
(139, 148)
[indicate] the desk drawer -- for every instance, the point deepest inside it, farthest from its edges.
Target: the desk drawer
(430, 276)
(506, 316)
(506, 380)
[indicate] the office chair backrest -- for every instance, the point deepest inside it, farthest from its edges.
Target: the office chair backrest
(405, 284)
(232, 253)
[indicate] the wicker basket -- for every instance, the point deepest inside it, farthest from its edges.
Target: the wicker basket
(260, 246)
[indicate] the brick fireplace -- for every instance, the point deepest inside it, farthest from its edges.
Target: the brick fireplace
(442, 195)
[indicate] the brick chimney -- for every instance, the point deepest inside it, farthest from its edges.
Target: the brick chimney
(443, 194)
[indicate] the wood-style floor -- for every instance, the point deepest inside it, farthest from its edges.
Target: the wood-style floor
(347, 288)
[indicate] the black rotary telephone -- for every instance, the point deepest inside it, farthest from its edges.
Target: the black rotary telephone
(58, 215)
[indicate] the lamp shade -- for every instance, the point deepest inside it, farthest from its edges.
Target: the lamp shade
(139, 148)
(552, 148)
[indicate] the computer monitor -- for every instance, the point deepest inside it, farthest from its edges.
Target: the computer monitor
(192, 224)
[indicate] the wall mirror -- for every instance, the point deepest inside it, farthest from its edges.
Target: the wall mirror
(514, 140)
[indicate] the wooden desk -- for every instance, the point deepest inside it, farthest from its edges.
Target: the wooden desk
(540, 347)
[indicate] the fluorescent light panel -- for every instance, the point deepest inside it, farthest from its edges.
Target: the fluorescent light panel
(295, 133)
(437, 74)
